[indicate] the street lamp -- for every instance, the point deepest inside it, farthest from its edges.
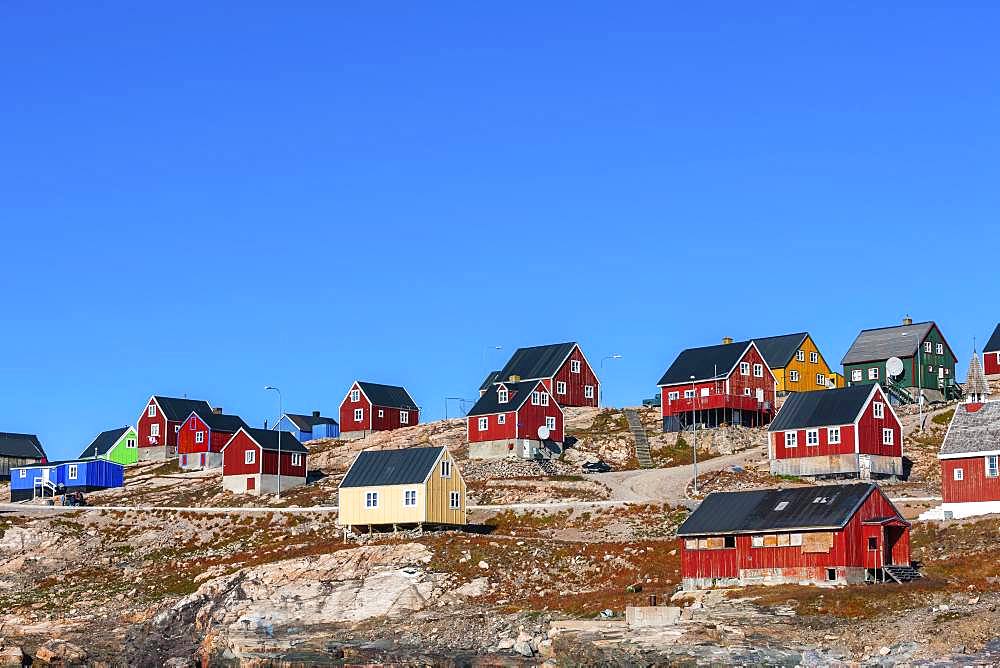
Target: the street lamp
(694, 433)
(612, 356)
(281, 412)
(486, 349)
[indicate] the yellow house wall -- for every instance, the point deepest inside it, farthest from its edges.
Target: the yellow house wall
(807, 371)
(438, 492)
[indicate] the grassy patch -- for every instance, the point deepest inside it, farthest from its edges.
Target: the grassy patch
(944, 419)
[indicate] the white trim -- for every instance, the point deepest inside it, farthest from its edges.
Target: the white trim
(501, 418)
(249, 457)
(373, 495)
(406, 493)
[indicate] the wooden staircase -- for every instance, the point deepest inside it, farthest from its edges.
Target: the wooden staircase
(641, 442)
(902, 574)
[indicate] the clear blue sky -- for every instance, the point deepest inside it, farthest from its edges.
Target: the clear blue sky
(202, 201)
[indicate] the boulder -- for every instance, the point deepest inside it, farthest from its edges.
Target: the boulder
(11, 656)
(60, 651)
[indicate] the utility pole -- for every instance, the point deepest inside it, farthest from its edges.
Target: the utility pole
(281, 412)
(694, 433)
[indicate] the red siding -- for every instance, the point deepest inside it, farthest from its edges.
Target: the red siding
(168, 433)
(824, 448)
(870, 430)
(271, 464)
(495, 432)
(991, 363)
(214, 440)
(974, 486)
(347, 421)
(718, 396)
(530, 418)
(849, 548)
(390, 418)
(576, 382)
(234, 459)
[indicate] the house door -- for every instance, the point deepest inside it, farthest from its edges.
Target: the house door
(202, 459)
(251, 484)
(760, 395)
(45, 475)
(865, 466)
(893, 535)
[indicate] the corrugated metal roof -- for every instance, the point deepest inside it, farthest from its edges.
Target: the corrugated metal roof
(491, 377)
(778, 351)
(820, 408)
(993, 345)
(268, 440)
(704, 363)
(223, 422)
(178, 410)
(103, 443)
(818, 507)
(20, 445)
(307, 422)
(517, 394)
(971, 432)
(883, 343)
(537, 361)
(388, 396)
(407, 466)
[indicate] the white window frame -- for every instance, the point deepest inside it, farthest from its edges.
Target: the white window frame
(747, 392)
(928, 346)
(154, 430)
(72, 471)
(199, 437)
(409, 498)
(445, 468)
(455, 501)
(177, 428)
(250, 456)
(888, 436)
(24, 473)
(791, 439)
(758, 370)
(812, 437)
(503, 396)
(673, 396)
(296, 459)
(800, 355)
(545, 398)
(878, 410)
(939, 348)
(958, 474)
(821, 380)
(550, 422)
(151, 410)
(793, 376)
(873, 373)
(404, 417)
(359, 414)
(355, 396)
(536, 398)
(371, 500)
(588, 391)
(502, 418)
(995, 468)
(484, 423)
(560, 387)
(833, 435)
(814, 357)
(857, 375)
(381, 412)
(689, 394)
(744, 368)
(574, 366)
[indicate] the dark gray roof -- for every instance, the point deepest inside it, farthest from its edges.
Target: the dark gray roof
(103, 443)
(885, 342)
(977, 431)
(177, 410)
(754, 511)
(704, 363)
(20, 445)
(223, 422)
(537, 361)
(307, 422)
(821, 408)
(491, 377)
(993, 345)
(407, 466)
(517, 394)
(778, 351)
(268, 440)
(388, 396)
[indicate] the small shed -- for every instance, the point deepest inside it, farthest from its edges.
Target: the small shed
(115, 445)
(308, 427)
(18, 450)
(250, 462)
(410, 486)
(76, 475)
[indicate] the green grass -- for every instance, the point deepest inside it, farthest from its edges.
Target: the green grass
(944, 419)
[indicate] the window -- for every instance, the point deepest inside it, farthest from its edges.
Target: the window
(888, 437)
(359, 414)
(355, 396)
(502, 418)
(758, 370)
(574, 366)
(689, 394)
(857, 375)
(781, 505)
(484, 423)
(833, 435)
(381, 412)
(454, 500)
(404, 417)
(729, 541)
(199, 437)
(744, 368)
(958, 474)
(296, 459)
(130, 443)
(747, 391)
(536, 398)
(812, 437)
(192, 425)
(502, 395)
(545, 398)
(690, 543)
(873, 373)
(793, 376)
(757, 541)
(821, 380)
(831, 574)
(177, 428)
(939, 349)
(550, 423)
(930, 368)
(151, 410)
(445, 469)
(814, 357)
(800, 356)
(927, 346)
(154, 430)
(705, 391)
(991, 466)
(588, 391)
(71, 473)
(878, 409)
(791, 439)
(371, 499)
(249, 456)
(410, 498)
(872, 543)
(560, 387)
(24, 473)
(673, 396)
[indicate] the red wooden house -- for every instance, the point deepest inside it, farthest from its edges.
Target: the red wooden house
(991, 354)
(202, 436)
(829, 534)
(369, 407)
(970, 461)
(725, 384)
(158, 425)
(519, 419)
(850, 431)
(563, 368)
(250, 462)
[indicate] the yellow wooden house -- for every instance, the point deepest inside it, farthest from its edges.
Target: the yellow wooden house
(410, 486)
(797, 363)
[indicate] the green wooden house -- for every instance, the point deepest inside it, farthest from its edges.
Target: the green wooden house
(114, 445)
(928, 361)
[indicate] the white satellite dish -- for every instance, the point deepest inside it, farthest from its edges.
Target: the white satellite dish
(543, 432)
(894, 367)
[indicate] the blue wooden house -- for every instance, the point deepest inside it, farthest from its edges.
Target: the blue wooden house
(53, 478)
(308, 427)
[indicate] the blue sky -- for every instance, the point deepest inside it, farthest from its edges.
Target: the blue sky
(203, 201)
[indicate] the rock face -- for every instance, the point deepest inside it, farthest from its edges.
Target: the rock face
(60, 652)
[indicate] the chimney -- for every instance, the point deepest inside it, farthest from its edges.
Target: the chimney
(514, 378)
(726, 340)
(907, 320)
(316, 414)
(217, 410)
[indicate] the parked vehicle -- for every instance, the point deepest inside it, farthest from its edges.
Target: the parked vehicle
(596, 467)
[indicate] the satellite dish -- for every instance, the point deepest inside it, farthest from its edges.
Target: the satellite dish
(894, 367)
(543, 432)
